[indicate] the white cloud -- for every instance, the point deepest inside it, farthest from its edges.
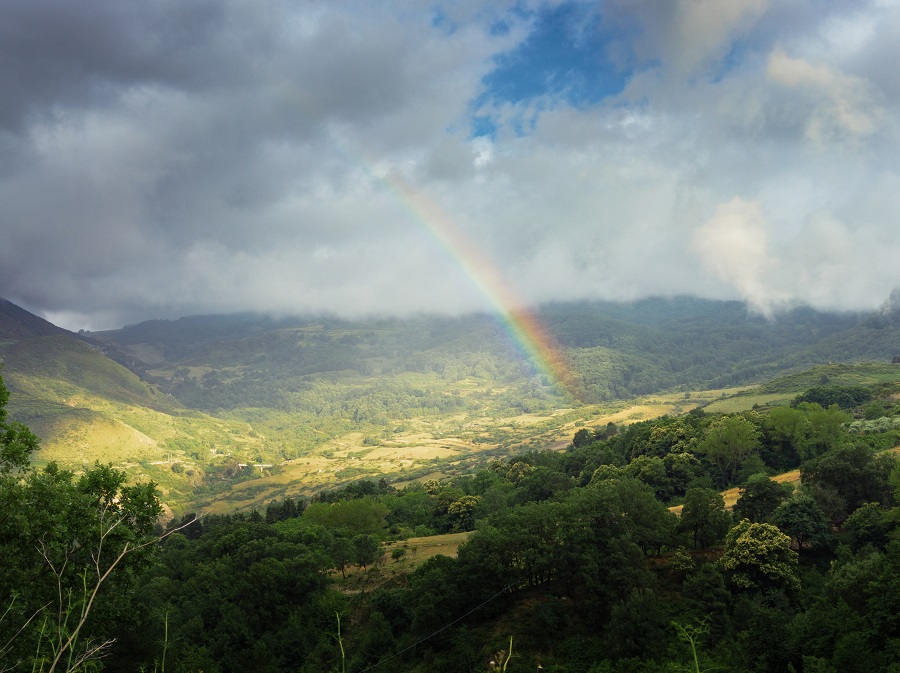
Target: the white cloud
(687, 35)
(733, 245)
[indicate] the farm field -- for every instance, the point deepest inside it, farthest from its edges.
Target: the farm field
(420, 455)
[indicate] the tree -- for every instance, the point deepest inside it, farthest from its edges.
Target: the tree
(541, 484)
(707, 596)
(62, 539)
(681, 468)
(758, 556)
(651, 470)
(649, 523)
(802, 519)
(843, 397)
(367, 549)
(785, 430)
(868, 525)
(462, 512)
(343, 553)
(582, 438)
(638, 626)
(759, 497)
(826, 429)
(17, 442)
(728, 442)
(854, 473)
(361, 516)
(704, 516)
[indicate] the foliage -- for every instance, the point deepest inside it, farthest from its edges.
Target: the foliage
(577, 573)
(704, 517)
(758, 556)
(870, 525)
(728, 442)
(63, 540)
(802, 519)
(362, 516)
(759, 498)
(849, 476)
(845, 397)
(570, 549)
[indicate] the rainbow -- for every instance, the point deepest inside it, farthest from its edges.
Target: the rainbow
(522, 325)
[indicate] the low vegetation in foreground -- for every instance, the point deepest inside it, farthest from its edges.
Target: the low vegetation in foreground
(572, 560)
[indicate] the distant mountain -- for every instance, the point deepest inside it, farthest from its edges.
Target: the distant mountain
(616, 350)
(890, 310)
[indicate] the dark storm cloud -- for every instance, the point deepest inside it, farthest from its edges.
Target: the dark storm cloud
(55, 56)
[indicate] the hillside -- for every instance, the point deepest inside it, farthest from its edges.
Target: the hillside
(85, 408)
(615, 350)
(17, 323)
(575, 555)
(316, 401)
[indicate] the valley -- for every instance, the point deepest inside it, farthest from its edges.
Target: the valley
(228, 413)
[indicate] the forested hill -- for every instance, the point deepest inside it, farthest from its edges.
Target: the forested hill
(616, 350)
(570, 560)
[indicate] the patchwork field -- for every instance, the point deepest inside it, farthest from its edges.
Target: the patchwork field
(418, 455)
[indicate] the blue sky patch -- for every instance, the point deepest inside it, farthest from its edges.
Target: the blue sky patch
(483, 125)
(565, 56)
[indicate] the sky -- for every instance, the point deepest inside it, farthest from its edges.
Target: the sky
(166, 158)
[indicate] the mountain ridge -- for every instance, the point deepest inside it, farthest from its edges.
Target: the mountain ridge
(17, 323)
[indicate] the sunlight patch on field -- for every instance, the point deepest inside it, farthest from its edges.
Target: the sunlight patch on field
(78, 443)
(424, 452)
(731, 495)
(732, 405)
(393, 453)
(420, 549)
(641, 412)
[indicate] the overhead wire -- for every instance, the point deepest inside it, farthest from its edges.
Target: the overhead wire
(432, 635)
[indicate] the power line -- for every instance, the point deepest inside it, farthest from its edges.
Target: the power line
(446, 626)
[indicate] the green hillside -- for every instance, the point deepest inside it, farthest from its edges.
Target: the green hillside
(588, 533)
(86, 408)
(728, 540)
(783, 389)
(195, 403)
(60, 367)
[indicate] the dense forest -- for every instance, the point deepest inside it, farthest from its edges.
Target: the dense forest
(616, 554)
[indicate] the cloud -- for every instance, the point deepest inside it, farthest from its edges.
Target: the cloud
(839, 105)
(164, 158)
(733, 246)
(685, 35)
